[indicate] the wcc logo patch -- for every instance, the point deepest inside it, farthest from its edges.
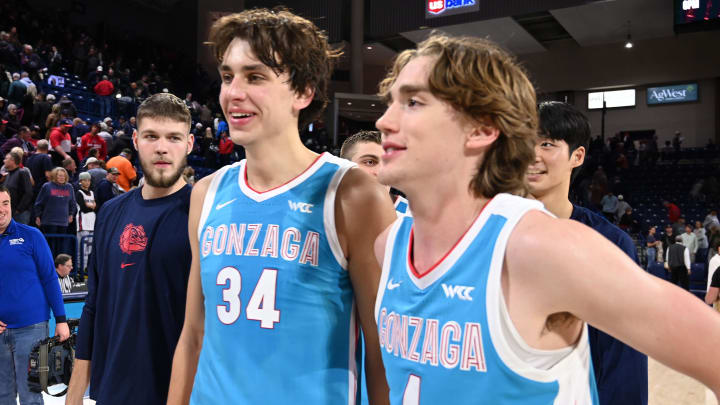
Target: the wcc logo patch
(133, 239)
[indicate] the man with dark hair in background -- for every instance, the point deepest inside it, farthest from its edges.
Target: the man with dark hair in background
(20, 187)
(136, 287)
(620, 371)
(40, 165)
(677, 262)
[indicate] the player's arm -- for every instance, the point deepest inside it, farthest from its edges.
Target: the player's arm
(188, 348)
(562, 265)
(363, 210)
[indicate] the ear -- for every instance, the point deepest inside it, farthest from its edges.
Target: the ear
(578, 157)
(191, 142)
(303, 99)
(134, 138)
(481, 136)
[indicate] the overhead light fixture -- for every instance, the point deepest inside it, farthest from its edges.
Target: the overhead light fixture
(372, 105)
(369, 48)
(349, 103)
(629, 42)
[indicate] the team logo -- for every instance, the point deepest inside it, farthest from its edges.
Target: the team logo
(392, 286)
(301, 206)
(18, 241)
(462, 292)
(133, 239)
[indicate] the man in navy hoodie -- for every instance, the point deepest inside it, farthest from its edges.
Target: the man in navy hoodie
(620, 371)
(28, 289)
(139, 269)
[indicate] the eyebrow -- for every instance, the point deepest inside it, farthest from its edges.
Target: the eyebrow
(407, 90)
(369, 155)
(151, 132)
(245, 68)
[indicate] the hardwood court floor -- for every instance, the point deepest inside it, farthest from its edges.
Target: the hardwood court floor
(668, 387)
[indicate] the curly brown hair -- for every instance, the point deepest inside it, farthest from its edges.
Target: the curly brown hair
(283, 42)
(487, 85)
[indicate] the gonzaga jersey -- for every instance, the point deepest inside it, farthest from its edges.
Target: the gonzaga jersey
(447, 336)
(280, 323)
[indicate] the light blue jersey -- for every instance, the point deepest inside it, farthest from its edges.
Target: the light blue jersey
(280, 323)
(402, 207)
(447, 336)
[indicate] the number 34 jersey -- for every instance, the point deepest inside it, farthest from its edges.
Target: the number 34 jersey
(280, 322)
(446, 335)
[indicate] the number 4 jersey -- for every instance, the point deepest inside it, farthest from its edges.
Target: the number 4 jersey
(446, 336)
(279, 311)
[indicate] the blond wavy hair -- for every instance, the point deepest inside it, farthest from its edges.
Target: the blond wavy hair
(486, 85)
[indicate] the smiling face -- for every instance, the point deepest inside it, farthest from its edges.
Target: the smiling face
(422, 136)
(552, 169)
(162, 146)
(257, 102)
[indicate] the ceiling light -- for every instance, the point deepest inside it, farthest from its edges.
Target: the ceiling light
(629, 43)
(369, 48)
(372, 105)
(349, 103)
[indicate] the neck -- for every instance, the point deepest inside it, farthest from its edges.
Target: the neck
(557, 202)
(440, 219)
(149, 192)
(276, 161)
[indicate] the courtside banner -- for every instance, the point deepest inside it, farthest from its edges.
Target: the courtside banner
(442, 8)
(680, 93)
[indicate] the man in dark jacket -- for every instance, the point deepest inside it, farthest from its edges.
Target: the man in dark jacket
(677, 260)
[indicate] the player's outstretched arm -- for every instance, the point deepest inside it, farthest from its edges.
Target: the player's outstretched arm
(79, 382)
(363, 210)
(188, 348)
(563, 265)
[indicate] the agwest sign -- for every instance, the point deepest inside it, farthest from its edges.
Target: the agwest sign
(672, 94)
(442, 8)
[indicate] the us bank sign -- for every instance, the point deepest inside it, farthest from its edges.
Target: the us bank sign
(672, 94)
(442, 8)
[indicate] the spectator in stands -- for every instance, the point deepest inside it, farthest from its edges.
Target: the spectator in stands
(621, 207)
(55, 208)
(92, 140)
(128, 127)
(97, 173)
(679, 226)
(30, 61)
(690, 242)
(63, 267)
(654, 246)
(711, 219)
(95, 76)
(673, 211)
(668, 239)
(40, 165)
(67, 108)
(628, 223)
(226, 148)
(21, 139)
(127, 172)
(104, 89)
(107, 188)
(79, 129)
(60, 142)
(106, 134)
(19, 184)
(609, 205)
(700, 236)
(13, 121)
(71, 167)
(55, 60)
(714, 238)
(16, 92)
(27, 292)
(85, 198)
(677, 261)
(189, 175)
(3, 130)
(713, 280)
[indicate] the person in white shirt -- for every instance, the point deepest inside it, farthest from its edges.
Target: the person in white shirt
(690, 242)
(63, 267)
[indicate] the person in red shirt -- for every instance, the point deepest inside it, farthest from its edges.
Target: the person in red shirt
(672, 210)
(60, 142)
(92, 140)
(105, 89)
(226, 148)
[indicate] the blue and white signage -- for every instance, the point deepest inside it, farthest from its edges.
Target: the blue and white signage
(442, 8)
(680, 93)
